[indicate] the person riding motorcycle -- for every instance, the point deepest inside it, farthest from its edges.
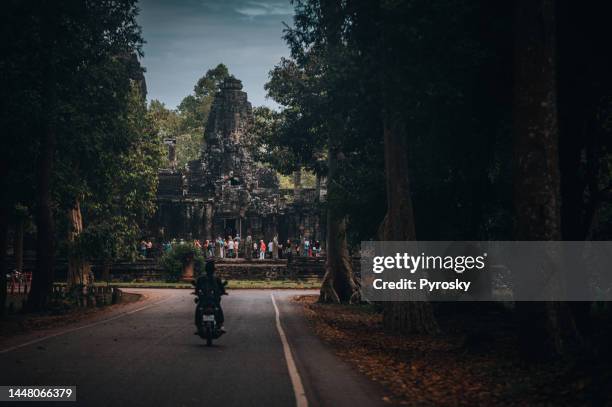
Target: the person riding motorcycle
(204, 283)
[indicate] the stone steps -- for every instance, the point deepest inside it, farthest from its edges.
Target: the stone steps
(150, 270)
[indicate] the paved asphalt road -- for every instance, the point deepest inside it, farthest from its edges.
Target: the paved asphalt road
(147, 355)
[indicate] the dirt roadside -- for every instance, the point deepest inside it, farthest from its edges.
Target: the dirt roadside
(457, 367)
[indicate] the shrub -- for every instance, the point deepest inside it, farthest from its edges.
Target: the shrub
(177, 257)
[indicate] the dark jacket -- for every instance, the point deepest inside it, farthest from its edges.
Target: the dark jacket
(206, 283)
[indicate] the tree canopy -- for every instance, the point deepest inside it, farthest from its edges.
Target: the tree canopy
(78, 137)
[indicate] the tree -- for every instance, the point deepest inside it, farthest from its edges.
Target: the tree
(69, 75)
(338, 283)
(310, 131)
(45, 248)
(121, 206)
(208, 85)
(432, 82)
(95, 128)
(585, 144)
(546, 328)
(446, 160)
(19, 114)
(167, 125)
(399, 222)
(3, 260)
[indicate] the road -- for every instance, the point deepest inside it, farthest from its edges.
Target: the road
(147, 355)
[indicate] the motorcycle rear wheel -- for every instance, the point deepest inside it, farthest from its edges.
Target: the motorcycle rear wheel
(209, 336)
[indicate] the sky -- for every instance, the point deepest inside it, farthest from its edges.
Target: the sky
(185, 38)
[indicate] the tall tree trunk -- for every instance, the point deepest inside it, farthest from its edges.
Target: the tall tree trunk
(399, 222)
(3, 258)
(79, 269)
(544, 327)
(42, 278)
(339, 284)
(18, 243)
(5, 204)
(399, 225)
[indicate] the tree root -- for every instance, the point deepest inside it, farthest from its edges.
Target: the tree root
(328, 294)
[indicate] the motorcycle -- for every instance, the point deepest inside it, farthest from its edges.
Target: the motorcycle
(207, 309)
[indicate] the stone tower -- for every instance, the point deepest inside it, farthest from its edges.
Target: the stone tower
(226, 193)
(230, 115)
(233, 187)
(225, 155)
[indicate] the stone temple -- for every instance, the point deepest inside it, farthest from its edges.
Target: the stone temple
(225, 192)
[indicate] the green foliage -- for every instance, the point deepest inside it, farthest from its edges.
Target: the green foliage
(76, 71)
(195, 108)
(128, 201)
(186, 124)
(66, 66)
(285, 181)
(166, 124)
(192, 114)
(120, 198)
(173, 124)
(309, 180)
(208, 85)
(450, 86)
(175, 259)
(297, 136)
(330, 96)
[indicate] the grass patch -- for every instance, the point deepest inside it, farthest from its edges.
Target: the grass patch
(232, 284)
(289, 284)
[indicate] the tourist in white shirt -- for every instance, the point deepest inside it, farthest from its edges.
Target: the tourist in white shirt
(230, 246)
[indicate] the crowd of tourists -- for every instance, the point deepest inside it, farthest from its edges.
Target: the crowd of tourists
(232, 247)
(235, 247)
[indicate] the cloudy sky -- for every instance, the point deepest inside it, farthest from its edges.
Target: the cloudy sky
(187, 37)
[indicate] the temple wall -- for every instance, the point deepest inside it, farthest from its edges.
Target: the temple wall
(178, 219)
